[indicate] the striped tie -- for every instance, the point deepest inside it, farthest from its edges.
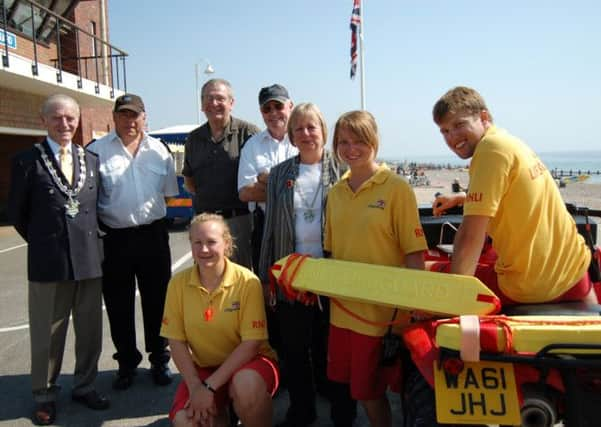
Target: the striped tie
(66, 163)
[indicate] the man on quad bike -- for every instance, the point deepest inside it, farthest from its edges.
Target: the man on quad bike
(512, 198)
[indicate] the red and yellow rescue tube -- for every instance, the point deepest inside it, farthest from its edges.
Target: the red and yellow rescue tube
(301, 277)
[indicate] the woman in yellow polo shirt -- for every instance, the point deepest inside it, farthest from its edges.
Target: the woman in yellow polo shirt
(215, 322)
(371, 217)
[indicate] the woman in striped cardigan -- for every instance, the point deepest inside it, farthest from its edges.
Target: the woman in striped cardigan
(294, 220)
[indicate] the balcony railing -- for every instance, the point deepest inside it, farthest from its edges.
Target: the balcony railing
(59, 43)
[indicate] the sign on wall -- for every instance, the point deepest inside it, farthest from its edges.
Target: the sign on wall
(8, 38)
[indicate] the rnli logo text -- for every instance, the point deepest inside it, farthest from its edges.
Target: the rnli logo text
(537, 170)
(258, 324)
(473, 197)
(235, 307)
(378, 204)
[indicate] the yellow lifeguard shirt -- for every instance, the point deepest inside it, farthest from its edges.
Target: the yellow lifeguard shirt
(377, 224)
(215, 323)
(541, 254)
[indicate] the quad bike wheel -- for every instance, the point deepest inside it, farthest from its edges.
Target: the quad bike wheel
(419, 404)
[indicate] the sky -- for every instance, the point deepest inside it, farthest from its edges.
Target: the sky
(536, 63)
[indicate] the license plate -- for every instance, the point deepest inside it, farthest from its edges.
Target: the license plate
(482, 393)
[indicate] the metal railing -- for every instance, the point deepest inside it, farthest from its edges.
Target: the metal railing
(78, 51)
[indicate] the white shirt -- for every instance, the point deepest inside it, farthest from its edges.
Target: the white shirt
(133, 188)
(260, 153)
(308, 196)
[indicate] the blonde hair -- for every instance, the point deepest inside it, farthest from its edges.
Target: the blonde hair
(303, 110)
(227, 234)
(360, 123)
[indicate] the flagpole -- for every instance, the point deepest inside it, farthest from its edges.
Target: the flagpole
(361, 55)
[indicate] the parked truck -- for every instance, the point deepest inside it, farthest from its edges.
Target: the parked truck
(179, 207)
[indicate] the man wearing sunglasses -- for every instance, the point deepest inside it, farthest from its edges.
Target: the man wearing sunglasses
(263, 151)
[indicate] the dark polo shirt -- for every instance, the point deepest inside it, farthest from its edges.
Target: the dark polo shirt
(214, 165)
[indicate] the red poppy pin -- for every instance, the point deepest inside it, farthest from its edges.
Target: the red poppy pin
(290, 183)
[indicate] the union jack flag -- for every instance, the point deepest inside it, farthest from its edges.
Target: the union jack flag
(355, 23)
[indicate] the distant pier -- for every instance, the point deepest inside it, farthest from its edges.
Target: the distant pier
(561, 173)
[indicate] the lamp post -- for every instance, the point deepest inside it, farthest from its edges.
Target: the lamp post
(207, 72)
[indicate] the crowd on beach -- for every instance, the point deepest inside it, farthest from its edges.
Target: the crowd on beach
(584, 193)
(94, 220)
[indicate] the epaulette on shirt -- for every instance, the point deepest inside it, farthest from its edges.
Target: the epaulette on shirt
(164, 143)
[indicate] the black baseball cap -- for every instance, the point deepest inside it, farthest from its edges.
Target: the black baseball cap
(274, 92)
(129, 101)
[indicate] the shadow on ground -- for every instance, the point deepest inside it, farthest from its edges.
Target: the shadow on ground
(138, 406)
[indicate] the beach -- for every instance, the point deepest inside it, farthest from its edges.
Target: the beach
(580, 193)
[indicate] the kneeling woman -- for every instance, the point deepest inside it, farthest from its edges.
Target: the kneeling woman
(215, 322)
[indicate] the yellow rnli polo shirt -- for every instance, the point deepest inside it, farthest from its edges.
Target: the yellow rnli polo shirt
(377, 224)
(215, 323)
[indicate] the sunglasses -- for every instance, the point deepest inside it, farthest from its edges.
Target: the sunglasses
(267, 108)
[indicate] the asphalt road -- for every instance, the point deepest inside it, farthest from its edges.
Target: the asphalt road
(142, 405)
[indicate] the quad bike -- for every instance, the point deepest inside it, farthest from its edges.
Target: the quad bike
(533, 365)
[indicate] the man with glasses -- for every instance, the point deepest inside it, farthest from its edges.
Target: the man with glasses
(263, 151)
(212, 153)
(137, 174)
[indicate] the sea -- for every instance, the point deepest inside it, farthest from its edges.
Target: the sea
(569, 162)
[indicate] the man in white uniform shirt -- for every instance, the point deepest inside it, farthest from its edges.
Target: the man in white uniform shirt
(137, 174)
(260, 153)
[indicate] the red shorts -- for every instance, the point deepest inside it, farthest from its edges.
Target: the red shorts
(265, 367)
(487, 275)
(354, 358)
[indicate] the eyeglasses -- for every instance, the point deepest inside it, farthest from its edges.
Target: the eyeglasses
(219, 99)
(268, 108)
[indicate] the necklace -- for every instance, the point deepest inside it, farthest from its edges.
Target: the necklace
(72, 206)
(309, 213)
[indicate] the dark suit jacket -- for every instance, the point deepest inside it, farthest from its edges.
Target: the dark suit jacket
(59, 247)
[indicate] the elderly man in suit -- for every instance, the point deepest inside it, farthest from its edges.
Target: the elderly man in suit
(52, 204)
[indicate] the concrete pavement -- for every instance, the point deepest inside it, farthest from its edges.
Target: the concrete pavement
(143, 405)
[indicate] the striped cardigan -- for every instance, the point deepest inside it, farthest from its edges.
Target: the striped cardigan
(279, 229)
